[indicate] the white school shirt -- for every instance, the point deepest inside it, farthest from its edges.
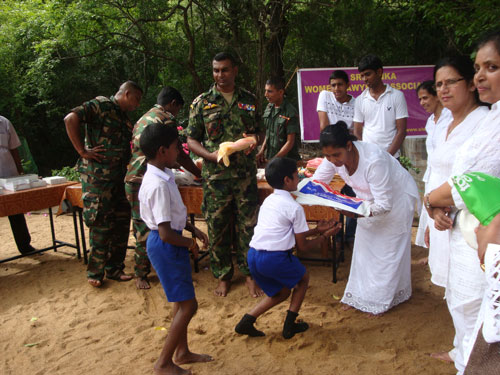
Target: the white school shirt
(8, 141)
(335, 110)
(280, 218)
(379, 116)
(160, 199)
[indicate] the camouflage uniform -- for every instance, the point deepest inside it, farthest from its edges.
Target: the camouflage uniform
(280, 122)
(230, 197)
(135, 171)
(106, 211)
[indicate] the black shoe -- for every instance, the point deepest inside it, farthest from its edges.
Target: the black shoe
(245, 327)
(290, 328)
(290, 331)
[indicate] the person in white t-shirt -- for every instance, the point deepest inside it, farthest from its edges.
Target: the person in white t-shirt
(336, 105)
(380, 112)
(10, 166)
(281, 225)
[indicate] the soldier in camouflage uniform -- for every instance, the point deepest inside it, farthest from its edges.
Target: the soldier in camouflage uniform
(281, 123)
(226, 113)
(169, 103)
(102, 164)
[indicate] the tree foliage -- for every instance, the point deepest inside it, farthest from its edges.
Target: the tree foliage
(54, 54)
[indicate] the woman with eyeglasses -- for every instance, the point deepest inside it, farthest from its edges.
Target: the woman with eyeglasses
(438, 120)
(479, 152)
(454, 82)
(380, 275)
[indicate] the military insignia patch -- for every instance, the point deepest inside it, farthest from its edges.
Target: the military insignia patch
(246, 107)
(210, 105)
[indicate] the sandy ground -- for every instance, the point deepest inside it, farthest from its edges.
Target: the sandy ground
(53, 322)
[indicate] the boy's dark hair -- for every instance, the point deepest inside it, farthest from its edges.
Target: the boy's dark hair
(167, 94)
(340, 74)
(154, 136)
(371, 62)
(279, 168)
(336, 136)
(277, 82)
(221, 56)
(427, 86)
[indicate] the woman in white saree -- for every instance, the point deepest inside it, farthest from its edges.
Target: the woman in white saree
(438, 121)
(380, 275)
(454, 77)
(480, 153)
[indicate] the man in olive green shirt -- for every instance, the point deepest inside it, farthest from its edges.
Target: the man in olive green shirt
(281, 123)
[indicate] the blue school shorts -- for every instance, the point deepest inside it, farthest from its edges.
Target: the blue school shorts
(275, 270)
(172, 266)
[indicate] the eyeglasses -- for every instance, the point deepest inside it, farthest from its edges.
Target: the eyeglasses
(448, 83)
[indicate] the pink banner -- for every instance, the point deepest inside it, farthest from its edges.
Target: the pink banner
(405, 78)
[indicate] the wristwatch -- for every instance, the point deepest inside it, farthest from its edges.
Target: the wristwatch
(427, 202)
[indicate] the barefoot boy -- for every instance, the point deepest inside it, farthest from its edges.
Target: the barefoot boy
(165, 215)
(281, 225)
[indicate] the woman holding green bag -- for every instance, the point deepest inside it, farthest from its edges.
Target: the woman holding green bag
(480, 153)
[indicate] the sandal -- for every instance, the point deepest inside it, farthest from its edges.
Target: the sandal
(118, 275)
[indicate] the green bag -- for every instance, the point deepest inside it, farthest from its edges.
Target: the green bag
(29, 165)
(480, 193)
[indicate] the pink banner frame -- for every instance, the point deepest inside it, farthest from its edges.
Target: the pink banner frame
(311, 82)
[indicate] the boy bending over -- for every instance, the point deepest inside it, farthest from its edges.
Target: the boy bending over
(165, 215)
(281, 225)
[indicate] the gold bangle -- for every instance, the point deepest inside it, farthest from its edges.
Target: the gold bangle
(483, 267)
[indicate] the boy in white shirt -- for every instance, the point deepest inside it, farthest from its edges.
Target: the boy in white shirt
(164, 213)
(336, 105)
(380, 111)
(281, 225)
